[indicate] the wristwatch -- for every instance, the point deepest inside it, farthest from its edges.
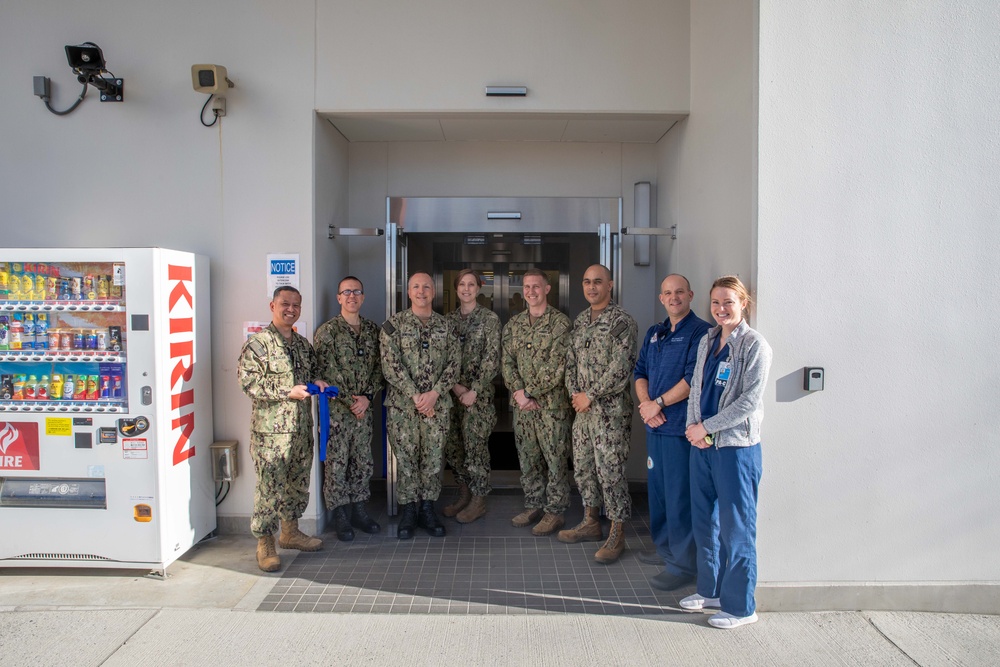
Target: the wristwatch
(659, 401)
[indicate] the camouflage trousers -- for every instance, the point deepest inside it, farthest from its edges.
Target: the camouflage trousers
(543, 438)
(347, 472)
(467, 449)
(600, 450)
(418, 444)
(281, 462)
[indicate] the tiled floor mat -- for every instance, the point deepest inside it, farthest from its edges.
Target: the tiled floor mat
(487, 567)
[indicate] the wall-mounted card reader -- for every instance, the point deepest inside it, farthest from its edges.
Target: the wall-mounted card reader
(813, 379)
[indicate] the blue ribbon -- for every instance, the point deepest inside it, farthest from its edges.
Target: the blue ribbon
(324, 414)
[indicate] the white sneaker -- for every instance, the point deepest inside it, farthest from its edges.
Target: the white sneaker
(695, 602)
(728, 621)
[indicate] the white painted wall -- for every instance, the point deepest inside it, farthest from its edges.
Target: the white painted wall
(626, 55)
(879, 190)
(705, 162)
(146, 173)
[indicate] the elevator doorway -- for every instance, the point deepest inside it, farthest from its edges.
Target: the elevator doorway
(500, 239)
(501, 262)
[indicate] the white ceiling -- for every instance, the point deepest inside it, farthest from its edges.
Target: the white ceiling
(471, 126)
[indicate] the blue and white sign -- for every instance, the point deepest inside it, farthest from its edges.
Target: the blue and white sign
(282, 271)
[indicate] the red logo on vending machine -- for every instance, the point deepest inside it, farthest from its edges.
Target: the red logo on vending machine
(18, 446)
(181, 307)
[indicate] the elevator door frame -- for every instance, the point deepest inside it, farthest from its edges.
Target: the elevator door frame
(483, 215)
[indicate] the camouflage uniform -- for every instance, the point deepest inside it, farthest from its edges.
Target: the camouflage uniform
(351, 362)
(534, 359)
(281, 439)
(600, 363)
(467, 450)
(418, 358)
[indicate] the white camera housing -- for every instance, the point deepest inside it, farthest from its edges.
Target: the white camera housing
(210, 79)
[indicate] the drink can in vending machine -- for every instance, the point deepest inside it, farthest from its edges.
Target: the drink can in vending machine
(76, 288)
(42, 331)
(28, 283)
(115, 338)
(80, 388)
(55, 339)
(52, 288)
(56, 387)
(68, 388)
(102, 339)
(89, 287)
(105, 386)
(65, 339)
(31, 388)
(17, 392)
(116, 386)
(28, 337)
(64, 289)
(41, 279)
(93, 382)
(4, 333)
(103, 287)
(77, 339)
(6, 387)
(4, 280)
(90, 339)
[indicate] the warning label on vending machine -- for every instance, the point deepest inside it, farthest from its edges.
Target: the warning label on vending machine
(58, 426)
(135, 448)
(19, 446)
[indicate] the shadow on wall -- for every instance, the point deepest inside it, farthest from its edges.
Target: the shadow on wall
(789, 388)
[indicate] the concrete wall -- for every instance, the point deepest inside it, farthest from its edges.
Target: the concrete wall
(705, 163)
(878, 197)
(627, 55)
(146, 173)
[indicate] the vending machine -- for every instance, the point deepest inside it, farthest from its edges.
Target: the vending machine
(105, 407)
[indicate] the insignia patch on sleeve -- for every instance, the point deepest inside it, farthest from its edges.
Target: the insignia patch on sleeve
(257, 348)
(560, 329)
(619, 329)
(388, 328)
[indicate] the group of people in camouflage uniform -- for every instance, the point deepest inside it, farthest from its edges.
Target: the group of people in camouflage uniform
(569, 385)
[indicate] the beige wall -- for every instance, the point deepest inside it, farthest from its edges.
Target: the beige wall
(628, 55)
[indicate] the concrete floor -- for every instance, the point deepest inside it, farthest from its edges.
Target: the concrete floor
(204, 613)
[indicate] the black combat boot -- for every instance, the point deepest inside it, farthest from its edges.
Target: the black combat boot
(361, 520)
(428, 520)
(342, 524)
(407, 521)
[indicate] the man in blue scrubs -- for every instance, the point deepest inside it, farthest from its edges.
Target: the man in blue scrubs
(662, 383)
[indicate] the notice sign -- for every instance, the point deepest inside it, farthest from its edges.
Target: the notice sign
(135, 448)
(58, 426)
(282, 271)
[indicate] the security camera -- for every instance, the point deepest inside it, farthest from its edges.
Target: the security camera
(210, 79)
(85, 59)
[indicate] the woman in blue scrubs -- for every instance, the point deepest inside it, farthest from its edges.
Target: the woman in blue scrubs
(724, 416)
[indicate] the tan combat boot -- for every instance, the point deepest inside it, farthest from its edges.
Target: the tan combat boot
(588, 530)
(615, 545)
(267, 557)
(549, 524)
(464, 496)
(526, 518)
(293, 538)
(475, 509)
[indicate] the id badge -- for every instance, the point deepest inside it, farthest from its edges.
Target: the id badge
(725, 370)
